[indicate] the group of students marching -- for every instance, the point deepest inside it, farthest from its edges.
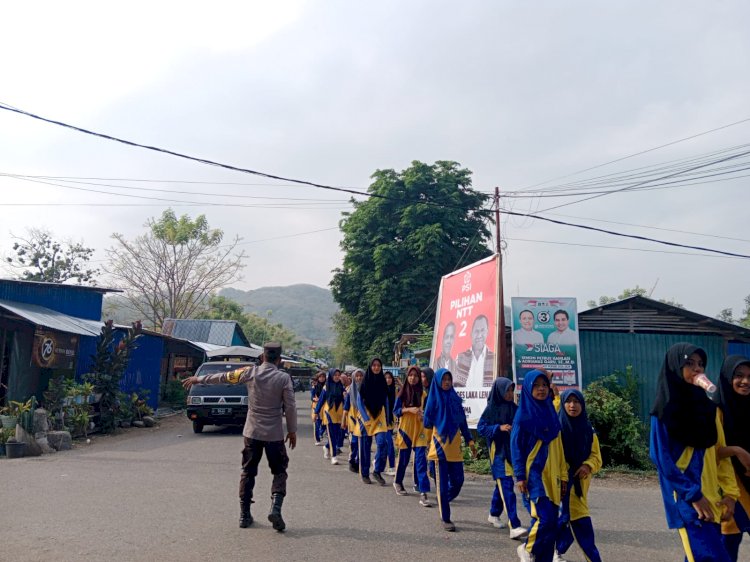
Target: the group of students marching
(547, 445)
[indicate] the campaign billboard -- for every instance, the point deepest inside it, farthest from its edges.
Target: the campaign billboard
(465, 335)
(545, 336)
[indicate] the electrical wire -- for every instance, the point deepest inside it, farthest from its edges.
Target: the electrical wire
(638, 153)
(19, 111)
(423, 201)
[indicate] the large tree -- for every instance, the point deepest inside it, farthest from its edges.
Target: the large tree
(417, 225)
(257, 329)
(40, 257)
(173, 269)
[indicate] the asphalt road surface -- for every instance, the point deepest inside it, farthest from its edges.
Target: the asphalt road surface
(168, 494)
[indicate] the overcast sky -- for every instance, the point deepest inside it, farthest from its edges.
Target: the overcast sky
(520, 93)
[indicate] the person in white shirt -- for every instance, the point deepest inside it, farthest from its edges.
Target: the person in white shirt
(527, 335)
(564, 335)
(475, 367)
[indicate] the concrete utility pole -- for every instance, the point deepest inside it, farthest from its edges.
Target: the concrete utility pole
(501, 351)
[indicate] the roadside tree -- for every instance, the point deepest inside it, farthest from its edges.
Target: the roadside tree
(416, 226)
(40, 257)
(173, 269)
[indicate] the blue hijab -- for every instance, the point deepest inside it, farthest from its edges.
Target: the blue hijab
(500, 411)
(577, 435)
(444, 410)
(334, 390)
(537, 417)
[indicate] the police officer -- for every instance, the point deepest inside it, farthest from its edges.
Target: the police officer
(270, 396)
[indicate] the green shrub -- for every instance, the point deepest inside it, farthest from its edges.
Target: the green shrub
(621, 433)
(174, 393)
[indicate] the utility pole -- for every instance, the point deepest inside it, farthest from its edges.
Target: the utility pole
(500, 356)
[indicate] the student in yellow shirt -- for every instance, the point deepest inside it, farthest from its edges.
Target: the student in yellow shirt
(350, 418)
(444, 413)
(538, 465)
(734, 408)
(412, 435)
(372, 408)
(331, 407)
(698, 489)
(584, 458)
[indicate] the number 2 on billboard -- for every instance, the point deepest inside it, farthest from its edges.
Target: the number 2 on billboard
(462, 333)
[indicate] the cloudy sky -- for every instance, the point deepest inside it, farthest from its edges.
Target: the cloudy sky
(520, 93)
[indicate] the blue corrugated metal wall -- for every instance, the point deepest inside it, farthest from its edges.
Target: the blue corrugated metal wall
(62, 298)
(739, 349)
(144, 368)
(605, 352)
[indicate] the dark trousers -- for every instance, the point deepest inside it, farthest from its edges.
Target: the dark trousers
(504, 499)
(450, 479)
(278, 461)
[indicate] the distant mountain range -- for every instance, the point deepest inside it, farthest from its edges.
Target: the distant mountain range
(306, 310)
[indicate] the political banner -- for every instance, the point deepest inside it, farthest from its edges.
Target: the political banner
(545, 336)
(465, 335)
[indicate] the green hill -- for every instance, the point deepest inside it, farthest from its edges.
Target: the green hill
(306, 310)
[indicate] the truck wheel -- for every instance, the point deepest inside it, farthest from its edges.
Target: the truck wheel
(197, 427)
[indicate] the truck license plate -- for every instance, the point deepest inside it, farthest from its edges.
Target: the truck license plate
(221, 411)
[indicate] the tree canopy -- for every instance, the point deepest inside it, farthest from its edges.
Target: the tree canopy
(257, 329)
(173, 269)
(626, 293)
(417, 225)
(42, 258)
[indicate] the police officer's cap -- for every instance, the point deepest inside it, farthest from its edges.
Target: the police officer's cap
(272, 350)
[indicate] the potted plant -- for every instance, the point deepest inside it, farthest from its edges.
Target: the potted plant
(5, 435)
(14, 449)
(6, 420)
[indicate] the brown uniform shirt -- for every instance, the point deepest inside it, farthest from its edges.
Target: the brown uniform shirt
(270, 395)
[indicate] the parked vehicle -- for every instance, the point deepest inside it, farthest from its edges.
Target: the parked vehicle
(217, 404)
(298, 385)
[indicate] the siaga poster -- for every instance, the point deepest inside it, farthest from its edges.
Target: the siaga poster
(545, 336)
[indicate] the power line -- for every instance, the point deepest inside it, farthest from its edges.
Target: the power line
(619, 248)
(633, 236)
(153, 189)
(351, 191)
(654, 228)
(639, 153)
(224, 166)
(725, 159)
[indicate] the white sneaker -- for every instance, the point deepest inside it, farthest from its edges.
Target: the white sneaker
(519, 533)
(334, 460)
(391, 472)
(558, 558)
(496, 522)
(424, 501)
(523, 555)
(318, 443)
(326, 455)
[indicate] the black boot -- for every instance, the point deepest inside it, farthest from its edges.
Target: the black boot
(245, 518)
(274, 515)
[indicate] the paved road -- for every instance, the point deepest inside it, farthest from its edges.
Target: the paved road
(168, 494)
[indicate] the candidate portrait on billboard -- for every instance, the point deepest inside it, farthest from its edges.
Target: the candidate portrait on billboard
(527, 335)
(476, 366)
(445, 359)
(563, 334)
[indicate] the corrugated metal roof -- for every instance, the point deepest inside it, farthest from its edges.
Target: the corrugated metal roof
(205, 346)
(641, 314)
(218, 332)
(52, 319)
